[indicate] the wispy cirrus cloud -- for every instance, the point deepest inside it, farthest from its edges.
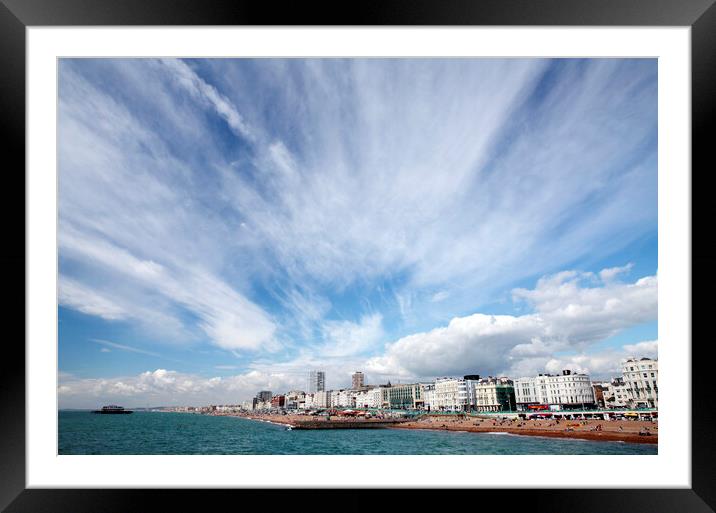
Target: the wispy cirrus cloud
(208, 95)
(126, 220)
(84, 299)
(123, 347)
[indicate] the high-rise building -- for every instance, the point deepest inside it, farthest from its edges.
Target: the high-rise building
(316, 381)
(264, 395)
(357, 380)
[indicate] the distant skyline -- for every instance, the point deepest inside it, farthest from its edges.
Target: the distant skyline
(228, 225)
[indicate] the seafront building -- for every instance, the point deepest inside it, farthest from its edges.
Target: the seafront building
(263, 405)
(322, 399)
(636, 388)
(616, 395)
(451, 394)
(316, 381)
(295, 399)
(641, 378)
(403, 397)
(427, 391)
(309, 402)
(493, 394)
(370, 398)
(357, 381)
(342, 399)
(567, 391)
(600, 391)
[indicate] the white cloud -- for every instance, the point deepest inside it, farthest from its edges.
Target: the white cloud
(605, 363)
(586, 314)
(123, 347)
(229, 319)
(611, 273)
(208, 94)
(167, 387)
(82, 298)
(475, 342)
(647, 348)
(568, 316)
(444, 206)
(345, 338)
(439, 296)
(132, 231)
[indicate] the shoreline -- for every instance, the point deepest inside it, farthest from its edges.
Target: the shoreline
(578, 431)
(597, 436)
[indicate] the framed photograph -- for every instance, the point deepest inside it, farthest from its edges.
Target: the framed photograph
(446, 247)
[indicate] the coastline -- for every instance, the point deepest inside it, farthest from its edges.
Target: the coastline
(609, 431)
(600, 436)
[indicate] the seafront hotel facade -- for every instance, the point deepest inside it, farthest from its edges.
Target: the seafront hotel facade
(403, 397)
(565, 391)
(636, 388)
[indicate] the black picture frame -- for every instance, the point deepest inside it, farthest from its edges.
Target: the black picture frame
(17, 15)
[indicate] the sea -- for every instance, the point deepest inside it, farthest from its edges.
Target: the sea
(82, 432)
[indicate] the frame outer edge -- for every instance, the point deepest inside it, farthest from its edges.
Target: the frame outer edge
(703, 121)
(373, 12)
(520, 500)
(12, 258)
(12, 96)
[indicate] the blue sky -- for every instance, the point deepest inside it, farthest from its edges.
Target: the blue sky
(226, 225)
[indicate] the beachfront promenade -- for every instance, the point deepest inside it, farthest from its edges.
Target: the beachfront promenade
(633, 431)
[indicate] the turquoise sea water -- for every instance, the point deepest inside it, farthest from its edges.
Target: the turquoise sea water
(180, 433)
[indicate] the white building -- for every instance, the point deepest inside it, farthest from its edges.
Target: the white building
(642, 382)
(322, 399)
(308, 402)
(342, 399)
(617, 395)
(428, 394)
(295, 399)
(451, 394)
(371, 398)
(227, 408)
(565, 391)
(492, 394)
(470, 382)
(263, 405)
